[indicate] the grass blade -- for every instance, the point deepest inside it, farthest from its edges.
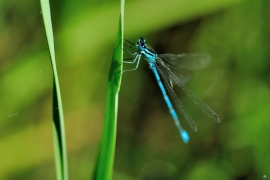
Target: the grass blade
(105, 159)
(58, 118)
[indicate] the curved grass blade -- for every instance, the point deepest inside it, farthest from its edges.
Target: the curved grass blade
(105, 159)
(58, 117)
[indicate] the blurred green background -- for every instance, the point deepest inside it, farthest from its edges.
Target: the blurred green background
(235, 85)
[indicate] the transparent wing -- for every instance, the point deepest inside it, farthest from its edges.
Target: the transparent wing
(175, 99)
(186, 61)
(202, 105)
(181, 74)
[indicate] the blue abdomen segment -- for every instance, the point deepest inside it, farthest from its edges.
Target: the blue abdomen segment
(184, 135)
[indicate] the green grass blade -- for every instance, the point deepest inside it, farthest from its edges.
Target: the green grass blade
(58, 118)
(105, 159)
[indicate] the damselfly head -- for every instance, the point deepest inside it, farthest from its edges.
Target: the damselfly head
(141, 43)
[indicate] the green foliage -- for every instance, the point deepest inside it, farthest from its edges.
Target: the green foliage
(58, 117)
(104, 166)
(235, 85)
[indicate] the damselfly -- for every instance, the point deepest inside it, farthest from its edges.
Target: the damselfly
(163, 66)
